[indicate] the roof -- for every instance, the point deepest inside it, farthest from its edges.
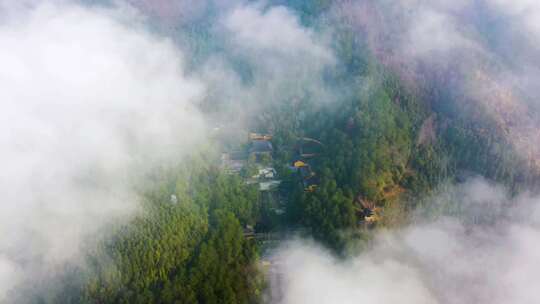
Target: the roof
(299, 164)
(261, 146)
(267, 173)
(267, 186)
(231, 162)
(257, 136)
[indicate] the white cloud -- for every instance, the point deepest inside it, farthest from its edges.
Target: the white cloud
(265, 58)
(312, 276)
(276, 30)
(287, 59)
(526, 12)
(441, 261)
(433, 31)
(89, 100)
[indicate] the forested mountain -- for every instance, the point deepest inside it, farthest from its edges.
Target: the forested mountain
(187, 246)
(380, 145)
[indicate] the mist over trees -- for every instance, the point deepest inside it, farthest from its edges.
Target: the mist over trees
(135, 124)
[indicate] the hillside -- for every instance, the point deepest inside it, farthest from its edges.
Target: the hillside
(277, 121)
